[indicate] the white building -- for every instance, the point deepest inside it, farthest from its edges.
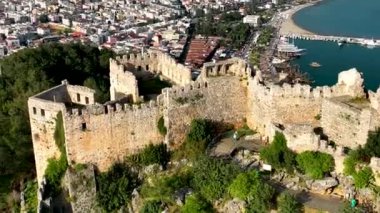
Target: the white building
(252, 19)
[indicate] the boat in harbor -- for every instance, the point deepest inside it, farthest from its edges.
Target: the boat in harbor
(284, 47)
(315, 64)
(370, 43)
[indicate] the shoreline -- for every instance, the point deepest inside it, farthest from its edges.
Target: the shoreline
(289, 28)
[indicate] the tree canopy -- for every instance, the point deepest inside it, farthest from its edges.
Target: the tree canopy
(278, 154)
(250, 187)
(315, 164)
(30, 71)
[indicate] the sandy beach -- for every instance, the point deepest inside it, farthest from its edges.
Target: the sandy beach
(289, 27)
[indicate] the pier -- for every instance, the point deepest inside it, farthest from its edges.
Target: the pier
(351, 40)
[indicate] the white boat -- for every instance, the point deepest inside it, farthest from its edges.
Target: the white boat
(289, 48)
(370, 43)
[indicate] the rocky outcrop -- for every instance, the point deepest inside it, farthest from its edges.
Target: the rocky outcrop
(322, 185)
(234, 206)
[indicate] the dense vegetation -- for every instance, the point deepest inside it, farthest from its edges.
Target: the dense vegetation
(315, 164)
(197, 139)
(163, 187)
(151, 154)
(196, 204)
(278, 154)
(249, 186)
(228, 26)
(152, 206)
(115, 187)
(212, 177)
(31, 201)
(287, 203)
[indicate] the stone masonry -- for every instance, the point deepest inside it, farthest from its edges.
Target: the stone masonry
(226, 91)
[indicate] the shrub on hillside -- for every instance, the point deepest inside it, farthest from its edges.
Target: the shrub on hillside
(31, 201)
(197, 140)
(315, 164)
(164, 187)
(250, 187)
(152, 206)
(363, 177)
(200, 130)
(151, 154)
(287, 203)
(196, 204)
(212, 177)
(278, 154)
(115, 187)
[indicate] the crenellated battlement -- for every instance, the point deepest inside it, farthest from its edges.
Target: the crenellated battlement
(232, 66)
(178, 91)
(99, 109)
(301, 91)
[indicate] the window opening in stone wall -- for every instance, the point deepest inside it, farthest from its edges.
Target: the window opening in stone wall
(42, 112)
(84, 126)
(78, 97)
(87, 100)
(147, 68)
(34, 110)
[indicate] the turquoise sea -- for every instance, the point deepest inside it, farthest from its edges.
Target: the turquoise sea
(355, 18)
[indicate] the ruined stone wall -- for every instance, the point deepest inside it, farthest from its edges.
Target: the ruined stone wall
(123, 83)
(346, 124)
(157, 62)
(102, 135)
(288, 104)
(221, 99)
(42, 115)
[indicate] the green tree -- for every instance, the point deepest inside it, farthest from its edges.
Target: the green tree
(287, 203)
(212, 177)
(115, 187)
(200, 130)
(250, 187)
(278, 154)
(315, 164)
(196, 204)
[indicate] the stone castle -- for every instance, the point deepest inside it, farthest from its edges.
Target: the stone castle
(225, 91)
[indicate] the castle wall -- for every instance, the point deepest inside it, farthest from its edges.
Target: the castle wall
(123, 83)
(81, 95)
(284, 105)
(42, 115)
(102, 136)
(157, 62)
(345, 124)
(219, 99)
(300, 104)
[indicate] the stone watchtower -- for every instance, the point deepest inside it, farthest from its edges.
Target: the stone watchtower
(43, 110)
